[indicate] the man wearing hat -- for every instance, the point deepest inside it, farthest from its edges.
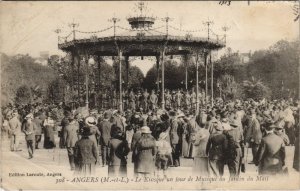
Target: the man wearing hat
(145, 97)
(215, 149)
(14, 131)
(105, 129)
(91, 122)
(253, 133)
(174, 138)
(38, 131)
(168, 98)
(117, 120)
(281, 133)
(29, 129)
(71, 137)
(135, 138)
(178, 97)
(270, 157)
(132, 100)
(117, 154)
(235, 149)
(86, 154)
(153, 99)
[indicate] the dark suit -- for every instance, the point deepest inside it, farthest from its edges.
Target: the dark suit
(215, 149)
(254, 135)
(105, 129)
(234, 162)
(71, 137)
(29, 129)
(118, 150)
(271, 155)
(86, 156)
(136, 137)
(64, 123)
(174, 138)
(117, 120)
(38, 131)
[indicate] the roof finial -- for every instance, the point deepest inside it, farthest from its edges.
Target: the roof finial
(140, 6)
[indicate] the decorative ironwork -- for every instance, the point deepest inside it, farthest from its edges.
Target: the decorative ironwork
(143, 40)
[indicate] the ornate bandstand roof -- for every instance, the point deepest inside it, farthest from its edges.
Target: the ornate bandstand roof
(142, 39)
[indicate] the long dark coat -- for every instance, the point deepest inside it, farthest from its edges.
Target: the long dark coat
(146, 151)
(29, 129)
(118, 151)
(70, 134)
(105, 128)
(85, 155)
(49, 128)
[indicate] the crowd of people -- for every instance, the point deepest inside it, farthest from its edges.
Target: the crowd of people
(156, 139)
(150, 100)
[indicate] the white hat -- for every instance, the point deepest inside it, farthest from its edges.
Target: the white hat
(114, 112)
(30, 115)
(145, 129)
(90, 121)
(180, 115)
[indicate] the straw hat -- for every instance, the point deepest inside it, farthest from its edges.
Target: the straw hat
(91, 121)
(29, 116)
(145, 129)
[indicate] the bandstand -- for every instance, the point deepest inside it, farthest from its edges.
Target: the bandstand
(141, 40)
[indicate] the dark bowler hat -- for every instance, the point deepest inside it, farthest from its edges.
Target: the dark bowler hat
(172, 113)
(270, 125)
(86, 131)
(164, 117)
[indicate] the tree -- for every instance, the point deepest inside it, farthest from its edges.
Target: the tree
(277, 67)
(229, 88)
(23, 95)
(21, 70)
(135, 77)
(255, 89)
(174, 75)
(56, 91)
(230, 63)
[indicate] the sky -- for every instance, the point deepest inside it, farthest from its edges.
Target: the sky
(28, 27)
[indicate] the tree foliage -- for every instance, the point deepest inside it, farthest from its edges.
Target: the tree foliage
(277, 68)
(135, 76)
(229, 88)
(255, 89)
(23, 95)
(21, 70)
